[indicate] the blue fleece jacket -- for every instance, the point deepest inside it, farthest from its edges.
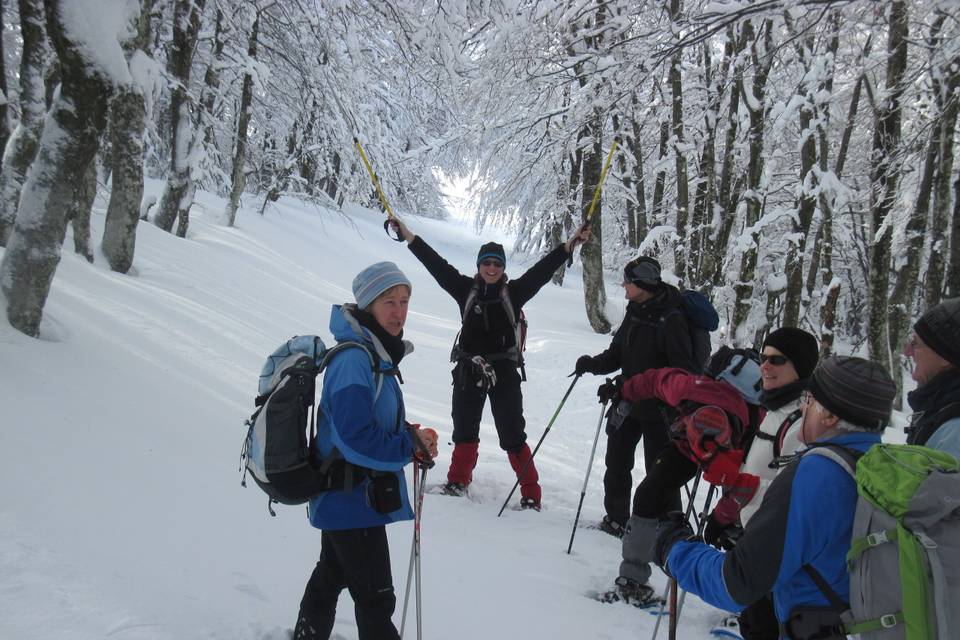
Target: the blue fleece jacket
(806, 517)
(368, 430)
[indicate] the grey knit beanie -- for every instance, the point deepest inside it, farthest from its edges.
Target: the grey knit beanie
(376, 279)
(855, 390)
(939, 327)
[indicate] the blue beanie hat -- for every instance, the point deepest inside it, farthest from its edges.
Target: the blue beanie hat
(376, 279)
(492, 250)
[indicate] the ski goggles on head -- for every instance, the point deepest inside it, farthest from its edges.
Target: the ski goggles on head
(777, 361)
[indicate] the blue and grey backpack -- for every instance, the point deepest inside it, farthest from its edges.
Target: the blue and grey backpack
(278, 450)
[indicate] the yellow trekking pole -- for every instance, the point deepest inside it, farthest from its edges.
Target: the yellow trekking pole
(376, 185)
(599, 188)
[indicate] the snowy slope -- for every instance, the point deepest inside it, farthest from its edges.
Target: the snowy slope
(123, 516)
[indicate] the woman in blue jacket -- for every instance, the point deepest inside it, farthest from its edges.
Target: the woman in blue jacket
(806, 517)
(362, 420)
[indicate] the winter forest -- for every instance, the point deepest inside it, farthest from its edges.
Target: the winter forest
(793, 160)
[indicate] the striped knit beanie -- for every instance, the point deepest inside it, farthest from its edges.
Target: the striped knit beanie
(855, 390)
(939, 328)
(376, 279)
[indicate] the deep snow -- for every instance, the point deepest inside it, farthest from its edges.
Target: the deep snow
(123, 514)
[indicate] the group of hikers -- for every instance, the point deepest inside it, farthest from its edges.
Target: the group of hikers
(772, 550)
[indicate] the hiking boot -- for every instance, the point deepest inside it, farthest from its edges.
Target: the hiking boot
(611, 527)
(454, 489)
(633, 593)
(530, 503)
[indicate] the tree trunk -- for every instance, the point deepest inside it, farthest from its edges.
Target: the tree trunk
(627, 180)
(595, 296)
(566, 222)
(69, 145)
(127, 116)
(4, 96)
(21, 148)
(953, 269)
(714, 260)
(940, 219)
(238, 178)
(679, 152)
(762, 57)
(211, 81)
(659, 184)
(178, 193)
(79, 213)
(636, 149)
(884, 179)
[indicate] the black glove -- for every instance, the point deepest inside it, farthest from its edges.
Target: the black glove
(721, 536)
(483, 370)
(584, 365)
(670, 530)
(610, 390)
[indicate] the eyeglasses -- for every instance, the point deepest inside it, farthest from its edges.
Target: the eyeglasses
(806, 398)
(491, 263)
(777, 361)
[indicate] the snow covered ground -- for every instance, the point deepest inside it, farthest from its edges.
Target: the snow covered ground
(123, 515)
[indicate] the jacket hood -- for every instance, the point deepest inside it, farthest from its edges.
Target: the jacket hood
(345, 328)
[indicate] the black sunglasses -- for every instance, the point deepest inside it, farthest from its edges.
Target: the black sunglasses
(777, 361)
(491, 263)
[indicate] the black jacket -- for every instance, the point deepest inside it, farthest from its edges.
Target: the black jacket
(487, 329)
(644, 342)
(933, 403)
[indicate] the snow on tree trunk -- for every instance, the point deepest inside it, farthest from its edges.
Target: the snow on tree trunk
(178, 193)
(21, 148)
(762, 57)
(633, 144)
(127, 116)
(243, 121)
(884, 179)
(68, 146)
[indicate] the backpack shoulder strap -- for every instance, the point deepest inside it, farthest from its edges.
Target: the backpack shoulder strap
(471, 298)
(841, 455)
(374, 362)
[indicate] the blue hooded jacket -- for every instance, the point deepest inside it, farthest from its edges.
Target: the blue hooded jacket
(806, 517)
(368, 430)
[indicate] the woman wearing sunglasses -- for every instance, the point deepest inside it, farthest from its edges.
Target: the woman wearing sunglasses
(488, 354)
(787, 361)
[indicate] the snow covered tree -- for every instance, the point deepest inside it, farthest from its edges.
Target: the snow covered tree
(68, 145)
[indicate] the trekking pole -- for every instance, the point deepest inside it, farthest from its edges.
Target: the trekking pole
(666, 592)
(599, 187)
(523, 469)
(586, 478)
(678, 605)
(380, 194)
(419, 488)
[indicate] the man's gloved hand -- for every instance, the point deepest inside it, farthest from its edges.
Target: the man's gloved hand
(486, 376)
(719, 534)
(670, 531)
(584, 365)
(610, 390)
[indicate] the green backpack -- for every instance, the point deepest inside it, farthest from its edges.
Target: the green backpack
(904, 558)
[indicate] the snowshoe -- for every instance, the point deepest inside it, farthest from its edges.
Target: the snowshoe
(530, 503)
(728, 627)
(454, 489)
(633, 593)
(611, 527)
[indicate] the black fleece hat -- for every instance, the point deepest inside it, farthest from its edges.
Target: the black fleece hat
(800, 347)
(644, 272)
(855, 390)
(939, 327)
(492, 250)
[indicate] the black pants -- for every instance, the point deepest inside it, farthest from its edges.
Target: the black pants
(358, 559)
(659, 492)
(506, 403)
(759, 621)
(620, 459)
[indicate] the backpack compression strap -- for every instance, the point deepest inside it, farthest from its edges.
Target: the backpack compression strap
(781, 434)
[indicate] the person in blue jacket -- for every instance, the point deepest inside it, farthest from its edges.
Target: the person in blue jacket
(362, 419)
(806, 517)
